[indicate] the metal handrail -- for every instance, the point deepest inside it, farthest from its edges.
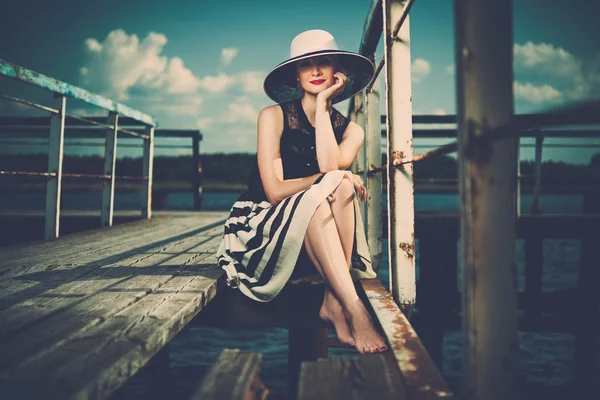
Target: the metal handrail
(56, 142)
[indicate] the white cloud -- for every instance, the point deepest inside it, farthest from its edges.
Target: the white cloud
(545, 59)
(240, 113)
(217, 84)
(228, 54)
(252, 81)
(450, 69)
(180, 105)
(122, 61)
(536, 94)
(420, 69)
(439, 111)
(205, 123)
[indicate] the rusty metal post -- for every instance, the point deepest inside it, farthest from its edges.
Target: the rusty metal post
(488, 186)
(534, 244)
(400, 190)
(55, 161)
(374, 182)
(358, 116)
(148, 160)
(197, 191)
(537, 188)
(110, 159)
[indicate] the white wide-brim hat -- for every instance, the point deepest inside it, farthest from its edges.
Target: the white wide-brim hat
(281, 85)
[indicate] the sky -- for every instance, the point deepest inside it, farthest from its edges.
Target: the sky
(201, 64)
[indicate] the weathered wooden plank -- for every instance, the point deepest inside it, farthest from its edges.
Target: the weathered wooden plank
(160, 220)
(422, 379)
(123, 287)
(56, 297)
(367, 376)
(98, 247)
(33, 284)
(35, 78)
(100, 359)
(233, 376)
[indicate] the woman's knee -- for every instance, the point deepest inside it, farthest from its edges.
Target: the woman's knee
(323, 211)
(345, 189)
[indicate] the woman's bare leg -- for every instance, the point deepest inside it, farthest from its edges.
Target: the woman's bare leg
(325, 250)
(342, 208)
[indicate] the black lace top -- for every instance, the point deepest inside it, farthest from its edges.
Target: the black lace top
(297, 146)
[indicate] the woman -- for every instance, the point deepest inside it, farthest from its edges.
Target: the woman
(300, 216)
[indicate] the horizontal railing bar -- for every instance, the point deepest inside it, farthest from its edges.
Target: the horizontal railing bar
(69, 122)
(89, 132)
(34, 78)
(503, 132)
(89, 121)
(27, 173)
(65, 175)
(133, 133)
(29, 103)
(555, 133)
(19, 142)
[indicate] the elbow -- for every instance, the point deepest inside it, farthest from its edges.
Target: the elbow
(272, 198)
(331, 167)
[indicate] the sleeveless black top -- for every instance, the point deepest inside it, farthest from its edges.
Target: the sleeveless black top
(297, 147)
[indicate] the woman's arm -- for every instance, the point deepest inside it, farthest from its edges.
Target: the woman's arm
(270, 127)
(330, 155)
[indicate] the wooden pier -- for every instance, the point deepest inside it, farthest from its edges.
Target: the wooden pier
(80, 314)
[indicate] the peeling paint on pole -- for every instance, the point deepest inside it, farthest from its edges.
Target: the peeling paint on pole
(399, 141)
(374, 182)
(488, 187)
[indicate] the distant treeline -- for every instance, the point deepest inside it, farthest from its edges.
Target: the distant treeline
(236, 168)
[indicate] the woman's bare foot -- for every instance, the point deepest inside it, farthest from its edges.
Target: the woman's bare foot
(331, 311)
(365, 336)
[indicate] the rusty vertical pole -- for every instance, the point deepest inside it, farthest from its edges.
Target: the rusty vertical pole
(55, 162)
(359, 119)
(197, 190)
(400, 190)
(488, 186)
(148, 163)
(110, 159)
(374, 182)
(537, 188)
(534, 244)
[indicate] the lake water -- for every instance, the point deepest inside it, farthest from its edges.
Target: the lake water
(546, 359)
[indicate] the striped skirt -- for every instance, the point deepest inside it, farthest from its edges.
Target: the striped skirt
(262, 243)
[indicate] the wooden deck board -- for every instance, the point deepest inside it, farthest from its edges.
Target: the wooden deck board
(366, 376)
(86, 327)
(422, 379)
(17, 260)
(234, 376)
(130, 272)
(40, 278)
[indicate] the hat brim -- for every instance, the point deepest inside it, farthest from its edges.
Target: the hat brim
(281, 85)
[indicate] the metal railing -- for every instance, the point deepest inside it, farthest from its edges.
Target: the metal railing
(487, 145)
(111, 126)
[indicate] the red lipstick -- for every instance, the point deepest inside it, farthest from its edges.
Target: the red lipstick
(317, 81)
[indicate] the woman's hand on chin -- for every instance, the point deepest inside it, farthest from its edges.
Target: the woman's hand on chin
(334, 90)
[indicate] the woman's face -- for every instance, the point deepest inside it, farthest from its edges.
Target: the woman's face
(316, 74)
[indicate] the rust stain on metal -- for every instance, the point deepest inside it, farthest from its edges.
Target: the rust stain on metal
(408, 249)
